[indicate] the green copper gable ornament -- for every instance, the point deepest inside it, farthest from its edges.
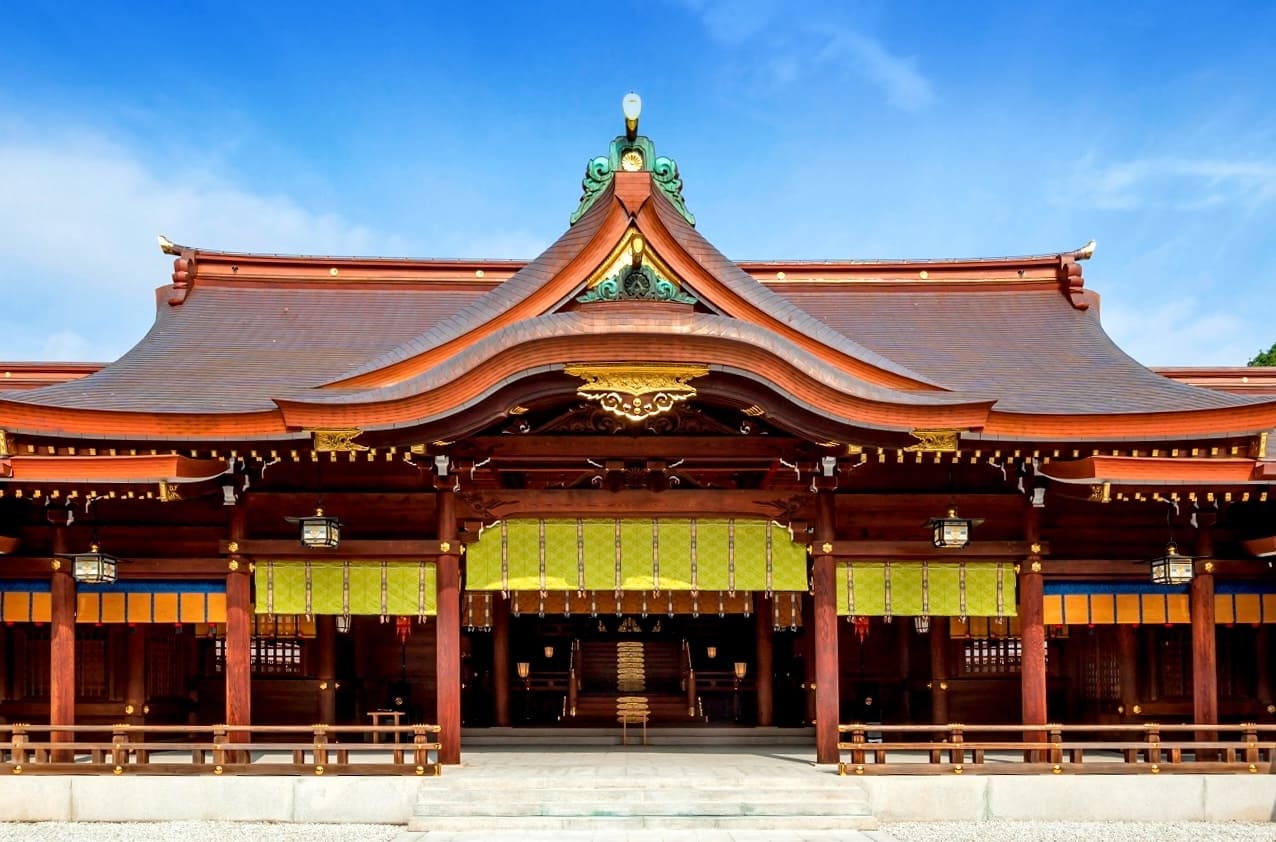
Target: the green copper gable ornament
(631, 152)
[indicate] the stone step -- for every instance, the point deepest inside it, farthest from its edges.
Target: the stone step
(625, 806)
(693, 733)
(623, 824)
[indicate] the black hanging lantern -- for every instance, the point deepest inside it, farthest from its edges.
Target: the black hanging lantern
(318, 531)
(94, 567)
(951, 532)
(1171, 568)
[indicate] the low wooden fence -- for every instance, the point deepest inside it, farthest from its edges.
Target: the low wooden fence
(1058, 749)
(220, 749)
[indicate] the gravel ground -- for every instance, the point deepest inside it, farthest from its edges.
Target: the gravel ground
(993, 831)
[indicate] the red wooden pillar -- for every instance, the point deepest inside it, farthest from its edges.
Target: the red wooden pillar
(1204, 648)
(762, 630)
(939, 637)
(61, 638)
(501, 660)
(824, 579)
(448, 646)
(326, 641)
(1033, 631)
(239, 631)
(135, 686)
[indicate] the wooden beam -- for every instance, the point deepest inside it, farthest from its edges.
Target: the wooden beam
(974, 551)
(697, 449)
(289, 549)
(590, 503)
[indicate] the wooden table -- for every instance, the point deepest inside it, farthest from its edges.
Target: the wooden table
(395, 717)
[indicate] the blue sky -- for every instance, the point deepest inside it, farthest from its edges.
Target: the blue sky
(803, 129)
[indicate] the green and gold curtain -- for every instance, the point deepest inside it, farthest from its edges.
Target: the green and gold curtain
(925, 589)
(385, 588)
(636, 554)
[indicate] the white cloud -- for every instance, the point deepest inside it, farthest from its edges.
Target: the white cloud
(78, 218)
(1180, 332)
(904, 86)
(801, 43)
(1175, 183)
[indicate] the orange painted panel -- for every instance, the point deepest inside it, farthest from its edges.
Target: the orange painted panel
(41, 608)
(1249, 608)
(165, 608)
(1052, 610)
(1129, 608)
(1076, 609)
(1179, 608)
(1154, 609)
(217, 607)
(1103, 608)
(191, 607)
(111, 607)
(16, 606)
(137, 608)
(88, 608)
(1224, 608)
(1269, 608)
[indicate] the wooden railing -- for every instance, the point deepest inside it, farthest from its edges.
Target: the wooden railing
(1058, 749)
(220, 749)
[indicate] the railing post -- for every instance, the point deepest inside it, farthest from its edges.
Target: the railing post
(1056, 744)
(957, 753)
(321, 745)
(20, 740)
(1154, 742)
(119, 741)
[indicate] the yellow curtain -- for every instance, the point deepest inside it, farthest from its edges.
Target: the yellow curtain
(924, 589)
(636, 554)
(384, 588)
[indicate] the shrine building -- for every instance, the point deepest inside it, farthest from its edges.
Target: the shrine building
(484, 493)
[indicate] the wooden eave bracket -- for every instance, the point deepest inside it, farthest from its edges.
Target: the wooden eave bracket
(1072, 281)
(185, 268)
(349, 550)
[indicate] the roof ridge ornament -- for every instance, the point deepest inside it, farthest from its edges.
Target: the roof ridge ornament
(631, 152)
(635, 278)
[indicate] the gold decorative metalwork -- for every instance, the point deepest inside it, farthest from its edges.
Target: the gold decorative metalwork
(826, 548)
(1035, 548)
(57, 564)
(1259, 449)
(445, 547)
(754, 411)
(1101, 493)
(636, 392)
(441, 443)
(4, 444)
(1209, 567)
(1035, 567)
(232, 565)
(517, 410)
(1085, 252)
(232, 547)
(168, 492)
(337, 441)
(631, 161)
(933, 441)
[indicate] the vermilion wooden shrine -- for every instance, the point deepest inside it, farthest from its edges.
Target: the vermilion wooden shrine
(633, 472)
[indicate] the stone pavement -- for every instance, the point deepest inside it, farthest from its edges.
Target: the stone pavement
(642, 793)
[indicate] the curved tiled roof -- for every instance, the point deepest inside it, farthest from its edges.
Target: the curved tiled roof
(1031, 348)
(229, 349)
